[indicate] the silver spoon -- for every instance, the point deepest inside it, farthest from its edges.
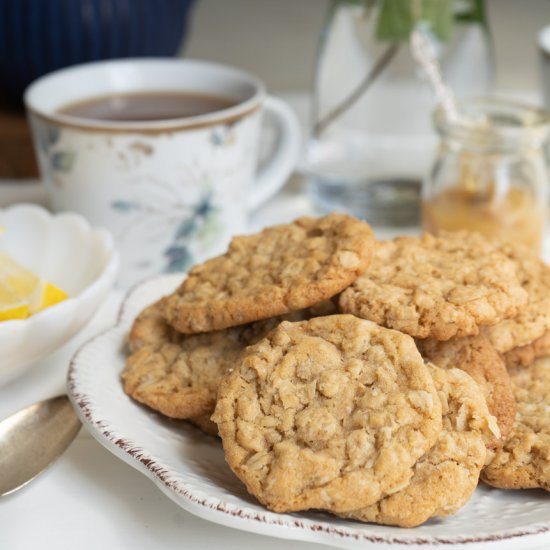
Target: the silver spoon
(33, 438)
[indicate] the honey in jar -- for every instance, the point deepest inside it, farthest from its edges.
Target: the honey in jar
(490, 174)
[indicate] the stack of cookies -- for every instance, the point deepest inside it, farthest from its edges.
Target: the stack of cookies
(375, 380)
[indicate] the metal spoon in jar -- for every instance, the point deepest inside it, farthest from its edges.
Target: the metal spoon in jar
(33, 438)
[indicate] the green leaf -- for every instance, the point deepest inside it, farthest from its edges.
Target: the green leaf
(394, 21)
(474, 12)
(363, 3)
(439, 14)
(398, 18)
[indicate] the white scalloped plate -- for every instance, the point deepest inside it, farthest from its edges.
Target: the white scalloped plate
(190, 468)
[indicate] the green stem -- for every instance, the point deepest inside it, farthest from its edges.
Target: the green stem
(363, 86)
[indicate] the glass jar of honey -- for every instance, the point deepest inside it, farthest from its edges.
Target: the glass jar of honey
(490, 173)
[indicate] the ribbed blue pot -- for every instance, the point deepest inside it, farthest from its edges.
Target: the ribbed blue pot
(39, 36)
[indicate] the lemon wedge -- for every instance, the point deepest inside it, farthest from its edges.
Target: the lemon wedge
(51, 295)
(23, 293)
(14, 312)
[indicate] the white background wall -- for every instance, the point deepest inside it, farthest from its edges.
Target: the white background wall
(276, 39)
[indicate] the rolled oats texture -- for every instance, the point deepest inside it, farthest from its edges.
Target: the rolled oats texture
(330, 413)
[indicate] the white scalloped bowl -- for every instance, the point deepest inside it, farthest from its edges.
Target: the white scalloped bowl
(67, 251)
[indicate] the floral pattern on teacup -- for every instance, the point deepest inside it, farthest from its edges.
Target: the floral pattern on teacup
(198, 222)
(224, 134)
(48, 137)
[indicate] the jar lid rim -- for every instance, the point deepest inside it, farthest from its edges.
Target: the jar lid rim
(495, 121)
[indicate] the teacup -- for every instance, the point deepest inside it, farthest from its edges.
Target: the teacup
(171, 191)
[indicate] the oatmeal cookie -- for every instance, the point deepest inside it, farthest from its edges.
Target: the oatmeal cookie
(439, 287)
(180, 378)
(524, 461)
(179, 374)
(447, 475)
(330, 413)
(204, 424)
(525, 355)
(282, 269)
(477, 356)
(533, 319)
(150, 328)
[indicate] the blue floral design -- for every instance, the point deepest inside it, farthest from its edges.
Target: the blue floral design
(221, 136)
(62, 160)
(47, 135)
(179, 257)
(125, 206)
(199, 223)
(217, 137)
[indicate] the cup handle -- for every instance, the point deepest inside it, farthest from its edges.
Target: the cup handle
(274, 173)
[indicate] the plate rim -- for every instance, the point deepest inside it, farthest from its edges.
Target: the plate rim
(305, 529)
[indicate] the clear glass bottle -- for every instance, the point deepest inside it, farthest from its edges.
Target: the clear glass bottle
(490, 173)
(371, 138)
